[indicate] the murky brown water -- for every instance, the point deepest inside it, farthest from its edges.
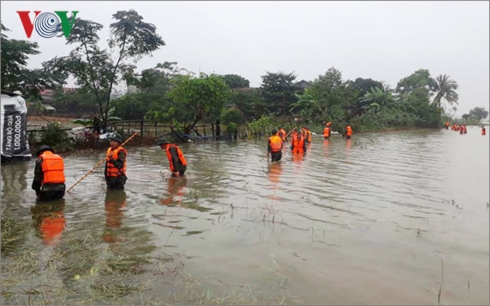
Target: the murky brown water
(365, 221)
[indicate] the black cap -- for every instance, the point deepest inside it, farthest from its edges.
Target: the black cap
(116, 137)
(162, 141)
(42, 149)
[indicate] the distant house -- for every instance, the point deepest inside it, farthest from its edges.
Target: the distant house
(48, 96)
(303, 84)
(131, 87)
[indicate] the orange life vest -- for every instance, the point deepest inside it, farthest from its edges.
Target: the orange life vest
(326, 132)
(275, 143)
(304, 132)
(53, 168)
(282, 133)
(112, 170)
(483, 131)
(308, 135)
(182, 159)
(348, 131)
(298, 143)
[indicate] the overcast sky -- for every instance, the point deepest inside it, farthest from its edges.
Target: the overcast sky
(379, 40)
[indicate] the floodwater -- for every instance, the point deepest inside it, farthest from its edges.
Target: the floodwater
(383, 218)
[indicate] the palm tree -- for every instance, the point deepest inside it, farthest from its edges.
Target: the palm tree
(377, 98)
(446, 89)
(312, 105)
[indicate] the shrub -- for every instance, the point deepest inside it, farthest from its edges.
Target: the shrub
(58, 139)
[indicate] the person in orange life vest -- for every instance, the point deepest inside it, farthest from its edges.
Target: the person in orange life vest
(49, 221)
(483, 130)
(298, 143)
(176, 188)
(274, 146)
(461, 130)
(294, 132)
(49, 175)
(308, 135)
(115, 165)
(282, 133)
(178, 163)
(304, 132)
(447, 125)
(327, 131)
(465, 129)
(348, 131)
(115, 202)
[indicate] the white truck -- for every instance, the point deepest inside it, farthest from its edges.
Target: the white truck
(13, 135)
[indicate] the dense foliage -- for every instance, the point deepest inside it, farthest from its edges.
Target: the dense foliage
(170, 94)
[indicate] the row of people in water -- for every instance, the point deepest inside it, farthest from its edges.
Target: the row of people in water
(49, 184)
(461, 128)
(49, 171)
(299, 139)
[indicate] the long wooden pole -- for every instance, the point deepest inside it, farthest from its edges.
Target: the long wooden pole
(100, 163)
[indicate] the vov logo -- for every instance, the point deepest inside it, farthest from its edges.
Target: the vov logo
(47, 24)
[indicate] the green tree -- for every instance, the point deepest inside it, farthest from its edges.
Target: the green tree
(235, 81)
(156, 79)
(419, 79)
(14, 72)
(249, 101)
(415, 91)
(232, 115)
(363, 86)
(93, 68)
(479, 113)
(446, 89)
(326, 98)
(194, 98)
(278, 91)
(311, 104)
(377, 99)
(80, 101)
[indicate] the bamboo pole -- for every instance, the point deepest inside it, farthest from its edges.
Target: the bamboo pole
(96, 166)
